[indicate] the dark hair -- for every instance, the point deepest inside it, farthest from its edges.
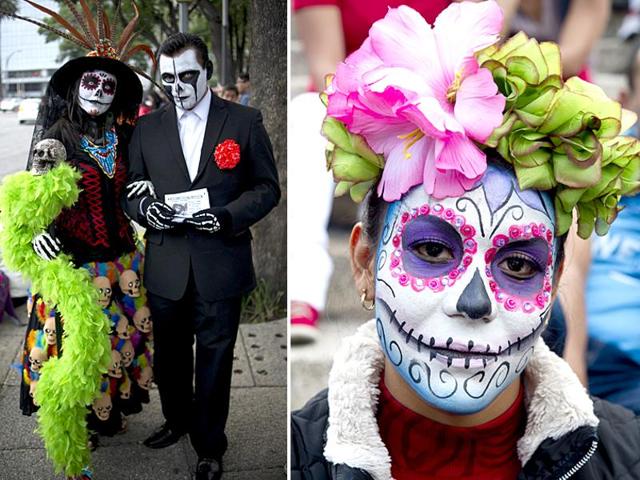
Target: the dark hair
(231, 88)
(244, 76)
(178, 42)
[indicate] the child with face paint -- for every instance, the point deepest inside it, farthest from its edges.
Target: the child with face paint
(470, 169)
(85, 120)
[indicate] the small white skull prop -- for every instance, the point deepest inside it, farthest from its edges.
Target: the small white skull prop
(127, 353)
(50, 330)
(47, 154)
(115, 369)
(32, 391)
(122, 328)
(102, 407)
(37, 357)
(130, 283)
(146, 377)
(96, 92)
(103, 285)
(142, 319)
(125, 390)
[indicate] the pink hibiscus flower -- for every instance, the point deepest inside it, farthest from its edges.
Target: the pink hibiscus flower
(417, 95)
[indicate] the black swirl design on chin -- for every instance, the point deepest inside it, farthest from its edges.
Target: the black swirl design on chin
(503, 368)
(416, 377)
(388, 347)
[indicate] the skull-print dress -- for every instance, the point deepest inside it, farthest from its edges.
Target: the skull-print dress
(99, 238)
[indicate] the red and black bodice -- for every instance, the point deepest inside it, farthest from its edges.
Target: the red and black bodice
(95, 228)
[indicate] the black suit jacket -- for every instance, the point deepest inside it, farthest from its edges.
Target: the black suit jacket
(221, 262)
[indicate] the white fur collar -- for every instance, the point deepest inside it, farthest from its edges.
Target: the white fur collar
(552, 392)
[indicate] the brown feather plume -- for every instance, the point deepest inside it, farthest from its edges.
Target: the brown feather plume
(90, 21)
(58, 18)
(82, 23)
(53, 30)
(127, 33)
(140, 48)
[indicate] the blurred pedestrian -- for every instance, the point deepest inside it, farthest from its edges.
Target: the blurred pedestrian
(231, 93)
(243, 83)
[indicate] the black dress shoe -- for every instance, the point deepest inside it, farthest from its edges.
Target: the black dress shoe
(163, 437)
(208, 469)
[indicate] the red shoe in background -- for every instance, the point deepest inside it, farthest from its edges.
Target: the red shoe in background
(304, 319)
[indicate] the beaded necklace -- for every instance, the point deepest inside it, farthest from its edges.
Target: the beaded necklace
(104, 155)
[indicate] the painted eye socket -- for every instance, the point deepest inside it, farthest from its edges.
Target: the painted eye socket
(432, 251)
(189, 75)
(519, 267)
(109, 87)
(168, 78)
(90, 81)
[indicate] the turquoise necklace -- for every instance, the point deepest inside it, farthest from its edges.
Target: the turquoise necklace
(104, 155)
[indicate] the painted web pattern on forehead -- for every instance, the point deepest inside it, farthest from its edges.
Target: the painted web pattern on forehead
(499, 183)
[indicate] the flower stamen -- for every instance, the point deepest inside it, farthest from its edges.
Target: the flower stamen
(454, 87)
(410, 140)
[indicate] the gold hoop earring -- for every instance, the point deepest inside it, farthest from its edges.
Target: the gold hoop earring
(363, 301)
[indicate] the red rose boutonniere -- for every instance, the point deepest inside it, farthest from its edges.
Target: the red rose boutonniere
(227, 154)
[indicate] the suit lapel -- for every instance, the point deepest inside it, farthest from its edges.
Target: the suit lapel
(170, 125)
(217, 117)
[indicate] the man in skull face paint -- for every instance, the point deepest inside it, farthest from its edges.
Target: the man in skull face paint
(203, 265)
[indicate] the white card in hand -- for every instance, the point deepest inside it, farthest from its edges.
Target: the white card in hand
(188, 203)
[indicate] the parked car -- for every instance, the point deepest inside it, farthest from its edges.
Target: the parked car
(28, 110)
(10, 104)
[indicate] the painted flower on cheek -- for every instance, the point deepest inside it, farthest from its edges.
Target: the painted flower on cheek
(417, 96)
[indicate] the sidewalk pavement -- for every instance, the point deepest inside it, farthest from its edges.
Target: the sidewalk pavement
(256, 428)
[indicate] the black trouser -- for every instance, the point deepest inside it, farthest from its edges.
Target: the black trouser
(215, 326)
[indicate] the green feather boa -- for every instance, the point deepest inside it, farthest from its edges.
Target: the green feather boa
(67, 385)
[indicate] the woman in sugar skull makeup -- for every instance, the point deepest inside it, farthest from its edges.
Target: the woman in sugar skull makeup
(471, 157)
(85, 120)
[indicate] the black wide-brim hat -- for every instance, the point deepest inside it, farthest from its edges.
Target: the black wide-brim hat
(128, 90)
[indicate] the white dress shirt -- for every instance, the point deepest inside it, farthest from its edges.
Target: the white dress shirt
(191, 125)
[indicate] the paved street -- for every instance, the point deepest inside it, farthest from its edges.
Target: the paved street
(15, 140)
(257, 423)
(256, 428)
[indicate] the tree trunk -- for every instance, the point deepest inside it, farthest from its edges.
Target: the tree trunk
(268, 71)
(213, 14)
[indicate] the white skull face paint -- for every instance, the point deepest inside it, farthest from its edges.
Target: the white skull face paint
(96, 92)
(183, 78)
(463, 289)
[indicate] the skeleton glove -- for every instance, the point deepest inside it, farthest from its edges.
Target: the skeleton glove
(205, 221)
(159, 215)
(140, 188)
(46, 246)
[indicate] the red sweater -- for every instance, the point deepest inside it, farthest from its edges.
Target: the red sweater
(422, 449)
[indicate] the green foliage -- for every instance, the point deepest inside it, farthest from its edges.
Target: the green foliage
(8, 6)
(562, 135)
(262, 305)
(28, 204)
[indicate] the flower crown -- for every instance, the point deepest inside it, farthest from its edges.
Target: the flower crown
(421, 104)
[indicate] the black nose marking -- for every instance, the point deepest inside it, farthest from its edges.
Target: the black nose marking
(474, 301)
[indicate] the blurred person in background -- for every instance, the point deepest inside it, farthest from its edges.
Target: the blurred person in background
(575, 25)
(231, 93)
(243, 83)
